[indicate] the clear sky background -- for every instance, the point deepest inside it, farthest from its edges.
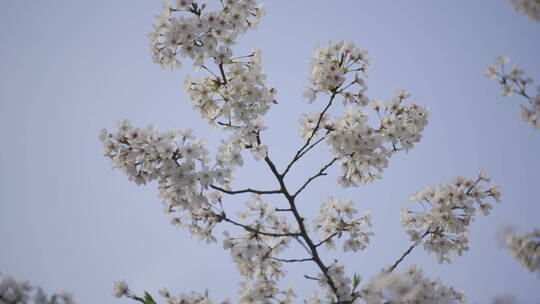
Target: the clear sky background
(70, 68)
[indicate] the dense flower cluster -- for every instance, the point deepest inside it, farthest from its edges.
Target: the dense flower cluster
(255, 251)
(525, 248)
(330, 68)
(514, 82)
(529, 8)
(447, 210)
(411, 287)
(234, 95)
(336, 217)
(185, 30)
(178, 162)
(342, 283)
(364, 151)
(239, 101)
(17, 292)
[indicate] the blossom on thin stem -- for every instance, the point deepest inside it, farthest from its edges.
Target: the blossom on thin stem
(365, 150)
(237, 102)
(440, 222)
(330, 67)
(514, 82)
(336, 218)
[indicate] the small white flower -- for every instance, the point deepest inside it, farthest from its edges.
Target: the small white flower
(120, 289)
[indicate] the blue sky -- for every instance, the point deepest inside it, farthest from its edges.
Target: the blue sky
(70, 68)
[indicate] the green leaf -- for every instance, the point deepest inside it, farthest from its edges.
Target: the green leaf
(356, 281)
(148, 298)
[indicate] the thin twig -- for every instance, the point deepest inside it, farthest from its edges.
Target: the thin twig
(299, 153)
(326, 240)
(320, 173)
(408, 251)
(311, 278)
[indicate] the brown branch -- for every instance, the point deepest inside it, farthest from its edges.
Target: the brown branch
(303, 231)
(310, 278)
(222, 73)
(408, 251)
(291, 260)
(256, 231)
(232, 192)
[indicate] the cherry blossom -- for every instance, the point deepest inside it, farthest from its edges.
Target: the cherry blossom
(440, 223)
(525, 248)
(336, 217)
(514, 82)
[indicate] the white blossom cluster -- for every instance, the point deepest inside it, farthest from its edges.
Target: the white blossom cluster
(121, 289)
(529, 8)
(178, 162)
(185, 30)
(441, 224)
(514, 82)
(235, 97)
(238, 102)
(18, 292)
(330, 68)
(411, 287)
(336, 217)
(364, 151)
(342, 283)
(255, 252)
(525, 248)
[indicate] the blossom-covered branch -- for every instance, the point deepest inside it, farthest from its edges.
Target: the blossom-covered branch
(440, 222)
(233, 96)
(514, 82)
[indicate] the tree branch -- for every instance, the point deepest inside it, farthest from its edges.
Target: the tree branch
(291, 260)
(231, 192)
(303, 231)
(256, 231)
(408, 251)
(320, 173)
(326, 240)
(222, 73)
(310, 278)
